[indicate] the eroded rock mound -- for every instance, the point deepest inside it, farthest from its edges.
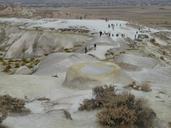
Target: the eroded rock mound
(34, 43)
(60, 62)
(85, 75)
(24, 70)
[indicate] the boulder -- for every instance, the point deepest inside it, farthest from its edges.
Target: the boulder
(89, 75)
(24, 70)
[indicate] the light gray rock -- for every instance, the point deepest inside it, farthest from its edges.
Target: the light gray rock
(32, 43)
(24, 70)
(60, 62)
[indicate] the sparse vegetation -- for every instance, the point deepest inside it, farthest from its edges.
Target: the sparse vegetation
(169, 124)
(30, 66)
(4, 63)
(17, 65)
(162, 58)
(2, 126)
(7, 68)
(119, 110)
(10, 65)
(12, 105)
(152, 40)
(119, 116)
(145, 87)
(3, 116)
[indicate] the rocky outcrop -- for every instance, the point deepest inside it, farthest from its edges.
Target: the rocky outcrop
(24, 70)
(89, 75)
(34, 43)
(60, 62)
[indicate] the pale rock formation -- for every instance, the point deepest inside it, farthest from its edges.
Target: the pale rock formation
(24, 70)
(88, 75)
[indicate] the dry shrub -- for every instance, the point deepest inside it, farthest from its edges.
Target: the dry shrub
(169, 124)
(30, 66)
(119, 110)
(119, 116)
(2, 126)
(145, 87)
(25, 60)
(3, 116)
(17, 65)
(162, 58)
(101, 98)
(90, 105)
(152, 40)
(145, 117)
(4, 63)
(7, 68)
(12, 105)
(107, 97)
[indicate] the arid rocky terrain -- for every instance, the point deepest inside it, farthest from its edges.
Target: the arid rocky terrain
(85, 67)
(152, 16)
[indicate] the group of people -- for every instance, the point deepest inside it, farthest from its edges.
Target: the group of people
(113, 28)
(110, 35)
(107, 33)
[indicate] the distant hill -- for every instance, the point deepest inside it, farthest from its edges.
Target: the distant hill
(86, 2)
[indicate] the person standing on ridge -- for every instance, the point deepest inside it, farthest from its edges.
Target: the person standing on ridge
(95, 46)
(108, 25)
(86, 50)
(100, 33)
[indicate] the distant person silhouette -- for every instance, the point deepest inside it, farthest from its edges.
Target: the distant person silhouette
(100, 33)
(109, 34)
(95, 46)
(86, 50)
(108, 25)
